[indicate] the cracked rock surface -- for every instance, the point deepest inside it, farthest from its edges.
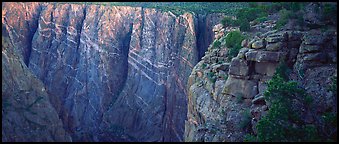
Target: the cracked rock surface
(112, 73)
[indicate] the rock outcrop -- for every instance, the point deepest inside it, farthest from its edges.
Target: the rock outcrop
(227, 109)
(113, 73)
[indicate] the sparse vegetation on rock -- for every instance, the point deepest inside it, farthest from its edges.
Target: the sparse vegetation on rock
(233, 42)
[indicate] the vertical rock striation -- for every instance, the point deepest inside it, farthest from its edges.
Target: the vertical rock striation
(111, 73)
(162, 53)
(21, 21)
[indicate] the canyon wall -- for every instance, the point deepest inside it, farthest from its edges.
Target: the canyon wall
(112, 73)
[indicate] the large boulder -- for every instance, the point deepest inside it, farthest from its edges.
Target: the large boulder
(238, 67)
(309, 48)
(294, 35)
(242, 51)
(320, 57)
(222, 67)
(259, 44)
(264, 56)
(276, 37)
(266, 68)
(274, 46)
(246, 88)
(313, 39)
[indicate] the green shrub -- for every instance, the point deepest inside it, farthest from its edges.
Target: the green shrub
(234, 38)
(211, 77)
(216, 44)
(253, 4)
(203, 66)
(244, 25)
(285, 15)
(250, 13)
(308, 99)
(275, 7)
(333, 86)
(329, 128)
(233, 42)
(233, 52)
(270, 8)
(238, 97)
(244, 16)
(250, 138)
(330, 118)
(295, 6)
(283, 70)
(261, 19)
(310, 133)
(245, 119)
(227, 21)
(259, 13)
(225, 76)
(278, 124)
(330, 13)
(282, 122)
(213, 80)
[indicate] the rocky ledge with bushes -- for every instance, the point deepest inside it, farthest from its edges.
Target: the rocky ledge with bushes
(227, 97)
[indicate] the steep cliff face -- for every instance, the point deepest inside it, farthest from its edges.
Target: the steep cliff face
(27, 114)
(81, 57)
(230, 106)
(21, 20)
(111, 73)
(204, 30)
(162, 52)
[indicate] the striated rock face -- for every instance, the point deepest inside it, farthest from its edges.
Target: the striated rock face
(111, 73)
(162, 54)
(227, 109)
(27, 114)
(21, 20)
(82, 59)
